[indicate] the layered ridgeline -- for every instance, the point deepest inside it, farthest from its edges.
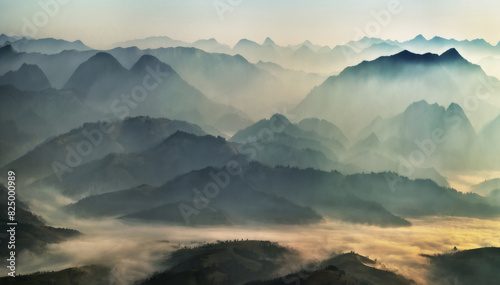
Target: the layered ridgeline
(323, 59)
(230, 262)
(102, 89)
(150, 87)
(44, 46)
(59, 155)
(388, 85)
(27, 118)
(248, 193)
(27, 78)
(321, 145)
(223, 78)
(424, 136)
(179, 153)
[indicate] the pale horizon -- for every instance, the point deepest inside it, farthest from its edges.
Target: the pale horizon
(286, 22)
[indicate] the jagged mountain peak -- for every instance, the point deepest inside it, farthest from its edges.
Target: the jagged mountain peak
(280, 118)
(268, 41)
(451, 55)
(7, 49)
(149, 61)
(419, 37)
(28, 77)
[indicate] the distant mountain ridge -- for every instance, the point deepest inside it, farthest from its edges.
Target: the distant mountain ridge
(387, 85)
(46, 45)
(27, 78)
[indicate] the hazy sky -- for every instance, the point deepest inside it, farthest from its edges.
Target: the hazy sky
(328, 22)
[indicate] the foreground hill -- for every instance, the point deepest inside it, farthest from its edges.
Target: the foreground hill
(231, 262)
(32, 233)
(247, 262)
(85, 275)
(343, 269)
(475, 266)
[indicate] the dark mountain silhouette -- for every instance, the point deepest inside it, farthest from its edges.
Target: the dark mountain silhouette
(472, 49)
(44, 113)
(89, 274)
(130, 135)
(101, 73)
(250, 262)
(264, 130)
(344, 269)
(15, 142)
(475, 266)
(27, 78)
(239, 201)
(225, 262)
(386, 86)
(178, 154)
(360, 198)
(57, 67)
(32, 233)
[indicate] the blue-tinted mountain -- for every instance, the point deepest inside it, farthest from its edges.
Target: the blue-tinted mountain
(178, 154)
(44, 113)
(240, 202)
(388, 85)
(130, 135)
(360, 198)
(27, 78)
(280, 124)
(101, 81)
(101, 73)
(323, 128)
(228, 79)
(47, 45)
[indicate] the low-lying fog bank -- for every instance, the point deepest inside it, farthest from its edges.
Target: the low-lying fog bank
(136, 251)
